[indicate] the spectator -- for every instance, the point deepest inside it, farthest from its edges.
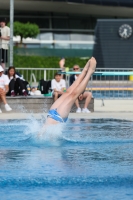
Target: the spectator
(85, 95)
(4, 89)
(4, 40)
(58, 86)
(17, 85)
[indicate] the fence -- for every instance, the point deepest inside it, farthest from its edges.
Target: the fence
(33, 75)
(119, 85)
(107, 86)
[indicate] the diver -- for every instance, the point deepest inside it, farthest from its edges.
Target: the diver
(60, 109)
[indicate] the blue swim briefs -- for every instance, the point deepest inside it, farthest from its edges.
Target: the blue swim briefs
(56, 116)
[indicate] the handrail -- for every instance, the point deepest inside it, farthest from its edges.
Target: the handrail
(106, 73)
(111, 69)
(32, 68)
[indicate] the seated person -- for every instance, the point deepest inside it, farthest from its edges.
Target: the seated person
(58, 86)
(85, 95)
(16, 83)
(4, 89)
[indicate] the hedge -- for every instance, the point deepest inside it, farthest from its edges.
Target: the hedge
(45, 62)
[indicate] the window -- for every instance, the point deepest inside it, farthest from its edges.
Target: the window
(59, 23)
(81, 37)
(61, 36)
(45, 36)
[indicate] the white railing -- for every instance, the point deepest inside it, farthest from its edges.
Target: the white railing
(117, 86)
(36, 74)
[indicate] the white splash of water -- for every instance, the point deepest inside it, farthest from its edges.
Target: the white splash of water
(50, 133)
(33, 126)
(41, 134)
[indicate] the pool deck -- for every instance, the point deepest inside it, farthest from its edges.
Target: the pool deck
(116, 109)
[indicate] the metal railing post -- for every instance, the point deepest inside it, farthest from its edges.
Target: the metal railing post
(44, 74)
(11, 30)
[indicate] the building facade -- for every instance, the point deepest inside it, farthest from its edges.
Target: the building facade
(66, 24)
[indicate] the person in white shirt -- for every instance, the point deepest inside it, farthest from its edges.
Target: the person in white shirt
(17, 85)
(58, 86)
(4, 89)
(4, 41)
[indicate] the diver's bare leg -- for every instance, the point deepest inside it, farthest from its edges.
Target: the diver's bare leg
(72, 87)
(65, 102)
(80, 77)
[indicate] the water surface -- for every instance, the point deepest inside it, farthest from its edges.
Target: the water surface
(84, 159)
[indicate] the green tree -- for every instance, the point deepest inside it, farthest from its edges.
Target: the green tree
(25, 30)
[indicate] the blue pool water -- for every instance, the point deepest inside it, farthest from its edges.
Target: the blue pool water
(113, 94)
(85, 159)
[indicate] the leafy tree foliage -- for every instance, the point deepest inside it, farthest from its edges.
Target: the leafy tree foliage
(25, 30)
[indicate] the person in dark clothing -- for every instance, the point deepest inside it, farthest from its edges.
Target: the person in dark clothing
(85, 95)
(17, 85)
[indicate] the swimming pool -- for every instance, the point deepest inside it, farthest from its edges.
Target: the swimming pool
(89, 159)
(113, 94)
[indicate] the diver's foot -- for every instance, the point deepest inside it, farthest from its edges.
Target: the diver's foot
(86, 67)
(92, 66)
